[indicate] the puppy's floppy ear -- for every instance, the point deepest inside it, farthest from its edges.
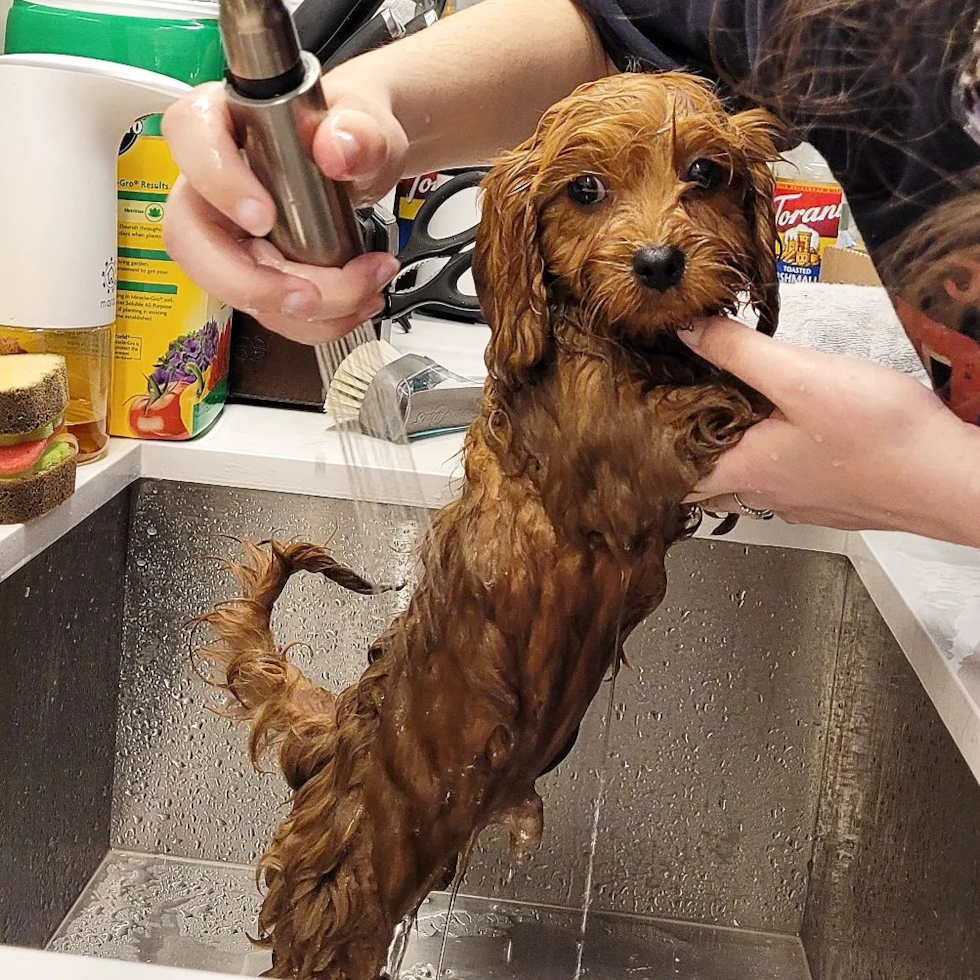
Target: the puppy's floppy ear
(762, 138)
(509, 269)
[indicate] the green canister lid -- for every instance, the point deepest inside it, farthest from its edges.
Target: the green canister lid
(178, 39)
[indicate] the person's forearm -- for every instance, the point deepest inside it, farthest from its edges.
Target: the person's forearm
(479, 81)
(948, 504)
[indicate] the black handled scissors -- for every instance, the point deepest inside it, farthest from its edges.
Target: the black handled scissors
(439, 295)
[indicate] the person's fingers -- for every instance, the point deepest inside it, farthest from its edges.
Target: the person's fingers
(351, 145)
(200, 134)
(252, 276)
(745, 469)
(356, 287)
(312, 331)
(776, 370)
(199, 238)
(725, 504)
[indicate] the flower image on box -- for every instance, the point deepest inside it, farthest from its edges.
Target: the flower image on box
(187, 387)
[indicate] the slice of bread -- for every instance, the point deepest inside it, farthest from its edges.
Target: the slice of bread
(33, 391)
(23, 500)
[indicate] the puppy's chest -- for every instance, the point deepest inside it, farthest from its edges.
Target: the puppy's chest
(604, 456)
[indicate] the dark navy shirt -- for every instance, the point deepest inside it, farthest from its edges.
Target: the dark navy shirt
(874, 93)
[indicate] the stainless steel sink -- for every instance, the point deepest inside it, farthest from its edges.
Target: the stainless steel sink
(198, 915)
(776, 788)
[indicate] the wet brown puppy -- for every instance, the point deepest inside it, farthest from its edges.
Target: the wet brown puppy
(636, 207)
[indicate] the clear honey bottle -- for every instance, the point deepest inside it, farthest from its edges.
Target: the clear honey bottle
(88, 355)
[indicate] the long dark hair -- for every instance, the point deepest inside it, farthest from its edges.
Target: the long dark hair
(886, 87)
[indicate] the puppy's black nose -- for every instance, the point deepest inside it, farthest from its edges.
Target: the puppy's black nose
(659, 267)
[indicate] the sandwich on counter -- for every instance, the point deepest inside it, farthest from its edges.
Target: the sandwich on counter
(37, 455)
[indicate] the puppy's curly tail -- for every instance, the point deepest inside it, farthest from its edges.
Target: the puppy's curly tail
(264, 687)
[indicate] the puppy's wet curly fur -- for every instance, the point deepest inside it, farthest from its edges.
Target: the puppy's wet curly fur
(596, 422)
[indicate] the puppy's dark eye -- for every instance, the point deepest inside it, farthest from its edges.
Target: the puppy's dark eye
(587, 190)
(706, 174)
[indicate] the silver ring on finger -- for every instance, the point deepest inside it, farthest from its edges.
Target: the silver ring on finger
(756, 513)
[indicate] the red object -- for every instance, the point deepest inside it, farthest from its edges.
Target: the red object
(800, 203)
(951, 358)
(20, 458)
(414, 190)
(160, 419)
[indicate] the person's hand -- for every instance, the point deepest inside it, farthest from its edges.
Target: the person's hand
(850, 444)
(218, 213)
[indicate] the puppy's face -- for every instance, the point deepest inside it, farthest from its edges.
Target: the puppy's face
(650, 210)
(640, 204)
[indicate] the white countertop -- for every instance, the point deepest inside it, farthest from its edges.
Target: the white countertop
(927, 592)
(298, 452)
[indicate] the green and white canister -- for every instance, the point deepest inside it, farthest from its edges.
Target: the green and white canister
(171, 341)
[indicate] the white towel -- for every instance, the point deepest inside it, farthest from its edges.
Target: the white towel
(855, 320)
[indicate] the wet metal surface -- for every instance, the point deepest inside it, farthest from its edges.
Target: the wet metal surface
(766, 675)
(717, 736)
(895, 891)
(60, 630)
(165, 911)
(184, 785)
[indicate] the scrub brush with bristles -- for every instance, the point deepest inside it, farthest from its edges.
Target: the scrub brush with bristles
(354, 376)
(393, 395)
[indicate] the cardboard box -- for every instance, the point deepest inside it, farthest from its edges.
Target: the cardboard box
(848, 266)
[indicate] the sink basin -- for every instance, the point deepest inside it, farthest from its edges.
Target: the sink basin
(774, 798)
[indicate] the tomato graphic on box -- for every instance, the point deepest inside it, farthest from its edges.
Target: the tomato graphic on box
(159, 416)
